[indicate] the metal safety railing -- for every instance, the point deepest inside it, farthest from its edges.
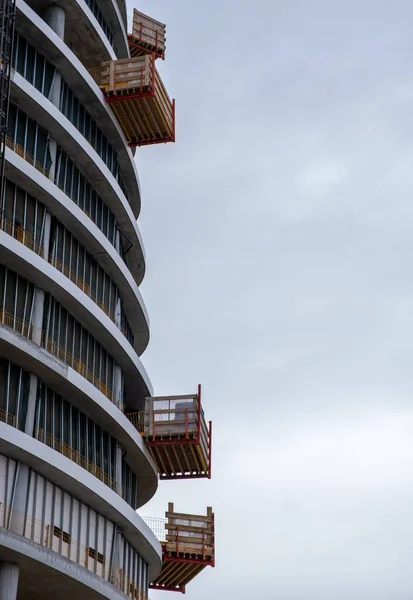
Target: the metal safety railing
(27, 239)
(50, 536)
(22, 152)
(157, 525)
(7, 417)
(76, 457)
(138, 420)
(62, 354)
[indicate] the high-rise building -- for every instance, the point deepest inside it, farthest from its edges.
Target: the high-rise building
(83, 440)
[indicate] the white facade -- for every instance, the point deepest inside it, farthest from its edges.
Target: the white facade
(73, 468)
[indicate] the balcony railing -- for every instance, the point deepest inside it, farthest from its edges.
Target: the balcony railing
(22, 152)
(25, 237)
(48, 536)
(27, 330)
(76, 457)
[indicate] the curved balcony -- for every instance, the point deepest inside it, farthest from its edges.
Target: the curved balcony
(85, 487)
(91, 35)
(34, 268)
(31, 178)
(69, 382)
(83, 85)
(32, 102)
(38, 565)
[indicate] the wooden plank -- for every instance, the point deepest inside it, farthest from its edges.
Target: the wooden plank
(186, 517)
(183, 397)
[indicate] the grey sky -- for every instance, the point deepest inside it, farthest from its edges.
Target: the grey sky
(279, 240)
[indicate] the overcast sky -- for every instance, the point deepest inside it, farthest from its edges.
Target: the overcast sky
(279, 239)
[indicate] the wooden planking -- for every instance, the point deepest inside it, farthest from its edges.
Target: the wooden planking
(175, 575)
(190, 534)
(147, 34)
(185, 556)
(148, 116)
(175, 460)
(142, 120)
(127, 75)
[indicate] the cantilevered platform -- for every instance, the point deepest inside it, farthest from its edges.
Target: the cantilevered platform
(139, 99)
(148, 36)
(188, 548)
(177, 435)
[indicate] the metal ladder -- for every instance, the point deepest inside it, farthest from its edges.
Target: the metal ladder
(7, 24)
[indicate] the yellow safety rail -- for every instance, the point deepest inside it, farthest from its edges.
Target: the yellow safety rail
(26, 155)
(27, 330)
(48, 536)
(75, 456)
(7, 417)
(138, 420)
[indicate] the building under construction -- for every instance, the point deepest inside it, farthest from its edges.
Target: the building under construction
(84, 441)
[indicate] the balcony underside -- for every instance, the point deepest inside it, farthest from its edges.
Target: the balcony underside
(144, 120)
(177, 573)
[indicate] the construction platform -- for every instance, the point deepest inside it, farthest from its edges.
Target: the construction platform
(148, 36)
(139, 99)
(177, 435)
(187, 549)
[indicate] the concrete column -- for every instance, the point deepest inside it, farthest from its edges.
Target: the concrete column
(9, 581)
(47, 229)
(19, 498)
(119, 482)
(55, 17)
(117, 386)
(31, 406)
(118, 313)
(53, 152)
(37, 319)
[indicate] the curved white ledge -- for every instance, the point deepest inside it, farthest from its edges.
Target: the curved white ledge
(85, 487)
(33, 267)
(68, 212)
(123, 11)
(82, 30)
(81, 82)
(61, 130)
(71, 385)
(41, 564)
(118, 23)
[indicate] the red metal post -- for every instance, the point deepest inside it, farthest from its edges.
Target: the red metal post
(173, 121)
(210, 450)
(199, 413)
(153, 71)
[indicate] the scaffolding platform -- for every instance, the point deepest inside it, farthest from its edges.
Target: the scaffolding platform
(188, 547)
(148, 36)
(178, 436)
(138, 98)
